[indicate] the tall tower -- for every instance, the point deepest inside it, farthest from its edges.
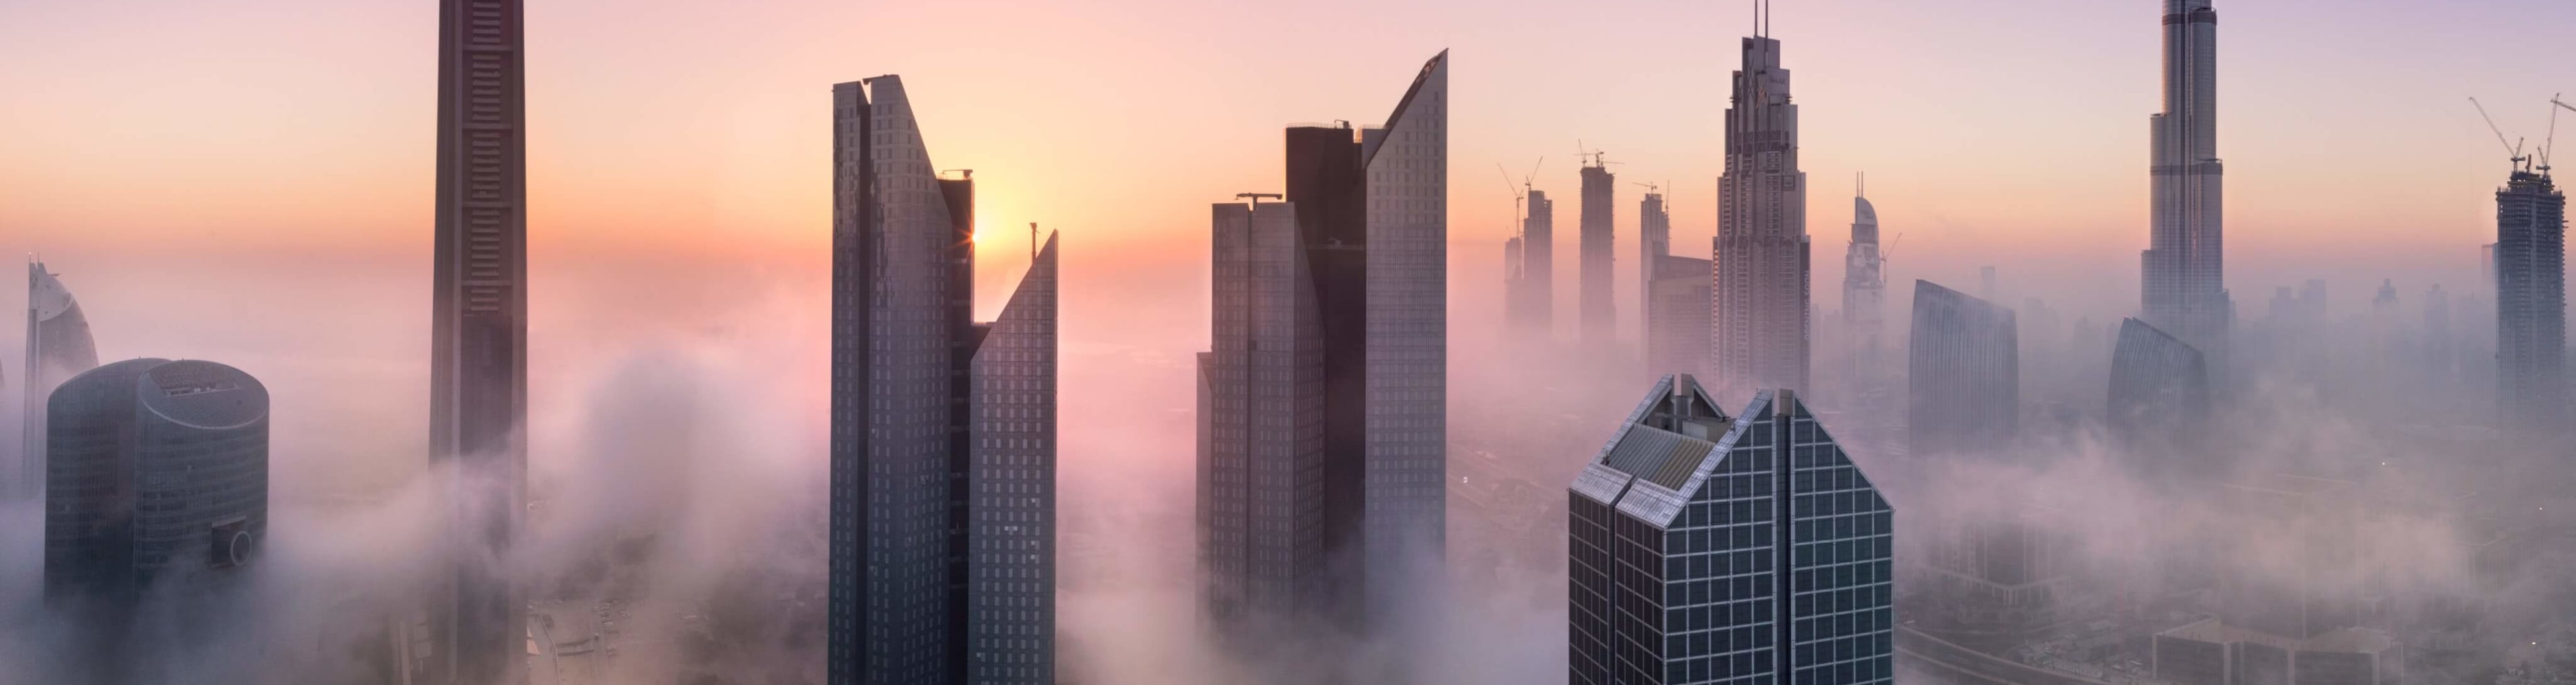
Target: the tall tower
(1654, 241)
(1864, 292)
(1600, 311)
(942, 429)
(2183, 269)
(1534, 309)
(58, 348)
(479, 335)
(1758, 326)
(2531, 304)
(1407, 163)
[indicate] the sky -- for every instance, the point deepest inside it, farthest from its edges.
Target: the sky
(304, 127)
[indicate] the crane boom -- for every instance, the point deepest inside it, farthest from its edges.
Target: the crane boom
(2509, 148)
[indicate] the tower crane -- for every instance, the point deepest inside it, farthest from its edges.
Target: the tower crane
(2551, 143)
(2514, 148)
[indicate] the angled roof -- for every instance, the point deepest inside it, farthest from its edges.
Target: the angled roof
(1438, 66)
(1648, 456)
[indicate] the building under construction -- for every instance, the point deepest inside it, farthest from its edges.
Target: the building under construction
(1600, 316)
(2531, 303)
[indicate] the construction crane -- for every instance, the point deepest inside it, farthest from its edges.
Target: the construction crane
(2551, 143)
(1521, 191)
(2514, 148)
(1597, 157)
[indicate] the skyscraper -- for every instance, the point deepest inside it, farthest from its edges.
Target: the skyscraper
(943, 429)
(1864, 292)
(1262, 460)
(478, 405)
(2184, 278)
(2530, 258)
(1600, 310)
(1654, 241)
(1758, 327)
(1706, 548)
(1677, 321)
(1322, 429)
(1963, 374)
(157, 475)
(58, 347)
(1407, 163)
(1533, 306)
(2159, 387)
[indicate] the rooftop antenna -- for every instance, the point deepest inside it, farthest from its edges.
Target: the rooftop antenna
(1033, 241)
(1860, 184)
(2514, 148)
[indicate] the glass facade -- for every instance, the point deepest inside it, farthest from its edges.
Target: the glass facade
(58, 347)
(1708, 549)
(934, 444)
(156, 466)
(2159, 385)
(1963, 374)
(1406, 489)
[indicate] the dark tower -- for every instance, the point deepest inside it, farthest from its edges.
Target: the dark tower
(479, 334)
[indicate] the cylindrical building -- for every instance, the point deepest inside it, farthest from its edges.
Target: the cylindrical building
(154, 469)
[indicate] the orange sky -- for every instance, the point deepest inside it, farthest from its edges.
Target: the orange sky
(2015, 134)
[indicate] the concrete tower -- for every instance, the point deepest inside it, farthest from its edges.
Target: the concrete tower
(2183, 269)
(1654, 240)
(478, 406)
(1533, 307)
(1600, 312)
(58, 347)
(1758, 325)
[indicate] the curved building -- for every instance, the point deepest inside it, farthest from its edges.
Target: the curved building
(154, 469)
(2159, 387)
(1963, 374)
(58, 347)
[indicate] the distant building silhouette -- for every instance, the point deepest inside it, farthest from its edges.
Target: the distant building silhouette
(156, 480)
(943, 429)
(1322, 427)
(1531, 307)
(2184, 267)
(2530, 265)
(1677, 323)
(58, 347)
(1759, 328)
(1963, 374)
(2159, 386)
(1705, 547)
(1865, 293)
(1599, 305)
(1654, 241)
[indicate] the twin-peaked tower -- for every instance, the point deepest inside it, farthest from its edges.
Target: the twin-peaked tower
(1758, 327)
(2183, 282)
(1322, 422)
(943, 430)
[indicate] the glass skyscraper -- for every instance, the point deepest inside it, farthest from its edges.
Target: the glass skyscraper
(942, 429)
(58, 347)
(157, 473)
(1963, 374)
(1710, 549)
